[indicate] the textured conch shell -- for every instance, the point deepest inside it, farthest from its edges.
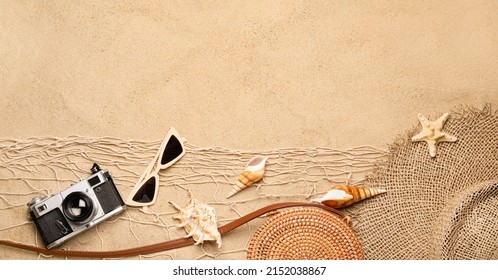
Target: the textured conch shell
(199, 221)
(342, 196)
(254, 171)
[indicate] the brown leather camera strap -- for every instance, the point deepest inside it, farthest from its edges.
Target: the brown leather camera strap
(168, 245)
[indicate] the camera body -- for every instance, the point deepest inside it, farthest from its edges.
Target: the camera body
(77, 208)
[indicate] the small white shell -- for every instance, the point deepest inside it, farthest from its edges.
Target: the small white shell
(199, 221)
(342, 196)
(254, 171)
(335, 195)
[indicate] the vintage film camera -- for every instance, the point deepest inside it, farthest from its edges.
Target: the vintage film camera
(77, 208)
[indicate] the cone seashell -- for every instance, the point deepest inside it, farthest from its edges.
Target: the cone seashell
(199, 221)
(254, 171)
(342, 196)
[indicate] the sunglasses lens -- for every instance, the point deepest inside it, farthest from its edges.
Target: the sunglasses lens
(173, 150)
(146, 192)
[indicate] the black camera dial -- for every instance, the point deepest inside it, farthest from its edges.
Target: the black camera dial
(95, 168)
(35, 200)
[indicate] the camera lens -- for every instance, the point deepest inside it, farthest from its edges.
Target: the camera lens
(77, 207)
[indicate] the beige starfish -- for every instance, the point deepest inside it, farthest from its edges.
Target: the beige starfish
(432, 133)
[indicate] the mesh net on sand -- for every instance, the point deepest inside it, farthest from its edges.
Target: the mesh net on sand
(47, 165)
(442, 207)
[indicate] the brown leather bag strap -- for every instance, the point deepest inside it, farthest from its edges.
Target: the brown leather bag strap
(167, 245)
(244, 219)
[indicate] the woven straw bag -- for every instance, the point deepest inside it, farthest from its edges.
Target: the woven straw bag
(444, 207)
(305, 233)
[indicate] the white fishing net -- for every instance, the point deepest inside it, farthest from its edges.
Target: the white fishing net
(48, 165)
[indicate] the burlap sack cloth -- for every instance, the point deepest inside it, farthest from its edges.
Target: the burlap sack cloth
(436, 208)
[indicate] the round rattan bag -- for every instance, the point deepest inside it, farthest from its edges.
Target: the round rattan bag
(305, 233)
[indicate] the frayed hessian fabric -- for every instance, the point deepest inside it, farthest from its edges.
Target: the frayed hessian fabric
(444, 207)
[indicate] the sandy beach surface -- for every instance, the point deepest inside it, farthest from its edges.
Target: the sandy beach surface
(241, 75)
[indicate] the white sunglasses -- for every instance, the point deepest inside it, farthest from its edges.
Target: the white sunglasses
(144, 192)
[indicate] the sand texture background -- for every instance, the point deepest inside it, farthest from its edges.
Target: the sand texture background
(242, 75)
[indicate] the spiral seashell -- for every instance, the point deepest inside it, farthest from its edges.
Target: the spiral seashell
(199, 221)
(342, 196)
(254, 171)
